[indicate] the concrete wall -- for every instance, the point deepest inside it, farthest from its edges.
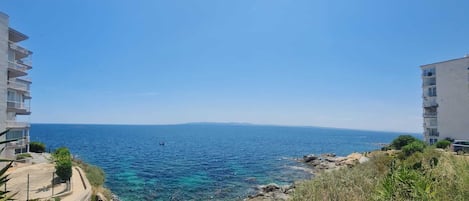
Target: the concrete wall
(452, 85)
(3, 70)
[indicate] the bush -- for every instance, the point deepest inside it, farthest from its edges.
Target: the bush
(95, 174)
(415, 146)
(63, 163)
(37, 147)
(402, 141)
(443, 144)
(23, 156)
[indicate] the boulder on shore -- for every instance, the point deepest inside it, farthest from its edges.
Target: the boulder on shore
(310, 157)
(272, 191)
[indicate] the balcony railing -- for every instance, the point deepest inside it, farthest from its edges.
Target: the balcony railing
(19, 49)
(16, 124)
(433, 134)
(20, 86)
(19, 143)
(430, 123)
(429, 81)
(18, 66)
(430, 114)
(430, 102)
(18, 106)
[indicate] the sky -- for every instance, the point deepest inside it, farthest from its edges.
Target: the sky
(342, 64)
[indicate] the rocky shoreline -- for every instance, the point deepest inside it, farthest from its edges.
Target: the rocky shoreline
(317, 164)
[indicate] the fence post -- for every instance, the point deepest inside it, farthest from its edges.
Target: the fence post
(27, 189)
(52, 183)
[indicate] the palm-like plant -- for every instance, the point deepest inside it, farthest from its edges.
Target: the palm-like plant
(3, 176)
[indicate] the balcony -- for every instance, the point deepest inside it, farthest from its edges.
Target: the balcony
(16, 69)
(431, 81)
(20, 52)
(18, 108)
(430, 123)
(432, 134)
(21, 143)
(18, 85)
(16, 124)
(430, 114)
(429, 102)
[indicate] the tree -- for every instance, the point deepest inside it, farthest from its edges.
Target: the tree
(402, 141)
(63, 163)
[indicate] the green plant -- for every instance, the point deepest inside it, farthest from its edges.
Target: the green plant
(443, 144)
(37, 147)
(415, 146)
(63, 163)
(23, 156)
(3, 176)
(402, 141)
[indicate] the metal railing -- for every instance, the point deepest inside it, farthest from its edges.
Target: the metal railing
(21, 86)
(19, 49)
(430, 114)
(17, 66)
(16, 124)
(18, 105)
(429, 81)
(429, 102)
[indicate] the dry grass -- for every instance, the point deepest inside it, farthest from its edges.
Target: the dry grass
(356, 183)
(430, 175)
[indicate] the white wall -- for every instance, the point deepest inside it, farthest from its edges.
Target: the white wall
(3, 69)
(452, 83)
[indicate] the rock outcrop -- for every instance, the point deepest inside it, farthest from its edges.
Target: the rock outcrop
(330, 161)
(272, 192)
(318, 164)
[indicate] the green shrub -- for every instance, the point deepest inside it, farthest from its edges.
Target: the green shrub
(415, 146)
(63, 163)
(37, 147)
(443, 144)
(405, 184)
(402, 141)
(95, 174)
(23, 156)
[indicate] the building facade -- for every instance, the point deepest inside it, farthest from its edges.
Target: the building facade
(446, 100)
(15, 62)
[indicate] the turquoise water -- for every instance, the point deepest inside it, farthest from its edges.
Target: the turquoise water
(200, 161)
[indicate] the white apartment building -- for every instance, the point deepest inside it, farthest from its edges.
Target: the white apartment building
(446, 100)
(15, 62)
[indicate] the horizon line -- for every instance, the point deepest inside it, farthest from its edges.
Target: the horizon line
(226, 123)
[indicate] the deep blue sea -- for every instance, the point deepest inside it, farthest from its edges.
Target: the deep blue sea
(200, 161)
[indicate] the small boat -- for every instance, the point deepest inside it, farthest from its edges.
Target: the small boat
(161, 143)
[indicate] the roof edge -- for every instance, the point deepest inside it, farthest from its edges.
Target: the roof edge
(4, 14)
(465, 57)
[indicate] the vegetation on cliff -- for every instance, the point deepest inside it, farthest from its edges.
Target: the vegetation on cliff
(415, 172)
(96, 177)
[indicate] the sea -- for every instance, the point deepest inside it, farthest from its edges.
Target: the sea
(201, 161)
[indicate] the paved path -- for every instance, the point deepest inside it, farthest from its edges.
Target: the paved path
(81, 188)
(40, 180)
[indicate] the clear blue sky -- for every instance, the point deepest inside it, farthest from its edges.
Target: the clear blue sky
(347, 64)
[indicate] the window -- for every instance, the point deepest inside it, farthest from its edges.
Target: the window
(429, 72)
(432, 91)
